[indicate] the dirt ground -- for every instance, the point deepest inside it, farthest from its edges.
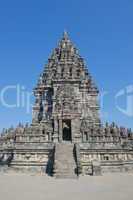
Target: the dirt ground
(27, 187)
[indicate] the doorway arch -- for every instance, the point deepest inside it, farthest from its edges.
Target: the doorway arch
(66, 133)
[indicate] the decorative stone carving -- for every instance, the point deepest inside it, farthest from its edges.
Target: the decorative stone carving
(66, 110)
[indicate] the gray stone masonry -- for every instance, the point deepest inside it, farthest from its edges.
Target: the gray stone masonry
(66, 137)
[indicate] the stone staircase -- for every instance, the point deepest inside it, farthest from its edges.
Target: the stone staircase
(64, 161)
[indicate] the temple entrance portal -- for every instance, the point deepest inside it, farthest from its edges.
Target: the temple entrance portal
(67, 135)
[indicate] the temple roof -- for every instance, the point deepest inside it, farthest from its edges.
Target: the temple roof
(65, 50)
(65, 63)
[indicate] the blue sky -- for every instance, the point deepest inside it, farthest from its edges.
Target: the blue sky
(101, 30)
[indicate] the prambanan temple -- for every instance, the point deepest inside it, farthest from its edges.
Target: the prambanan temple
(66, 137)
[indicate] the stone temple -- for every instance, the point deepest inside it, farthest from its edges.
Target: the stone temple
(66, 137)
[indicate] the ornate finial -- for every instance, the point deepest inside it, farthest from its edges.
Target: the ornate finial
(65, 35)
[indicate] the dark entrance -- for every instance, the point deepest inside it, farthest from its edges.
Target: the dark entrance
(67, 136)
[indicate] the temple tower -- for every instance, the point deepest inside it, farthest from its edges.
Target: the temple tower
(66, 137)
(66, 96)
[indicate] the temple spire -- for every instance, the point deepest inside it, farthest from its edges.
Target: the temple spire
(65, 35)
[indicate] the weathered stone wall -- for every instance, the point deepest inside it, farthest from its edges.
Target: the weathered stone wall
(109, 159)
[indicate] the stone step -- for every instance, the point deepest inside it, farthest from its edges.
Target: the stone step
(62, 176)
(64, 163)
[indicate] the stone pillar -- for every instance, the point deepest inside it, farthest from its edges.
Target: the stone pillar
(36, 109)
(83, 137)
(96, 166)
(75, 128)
(56, 131)
(45, 105)
(60, 130)
(116, 157)
(50, 137)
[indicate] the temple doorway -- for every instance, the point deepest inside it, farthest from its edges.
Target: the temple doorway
(67, 135)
